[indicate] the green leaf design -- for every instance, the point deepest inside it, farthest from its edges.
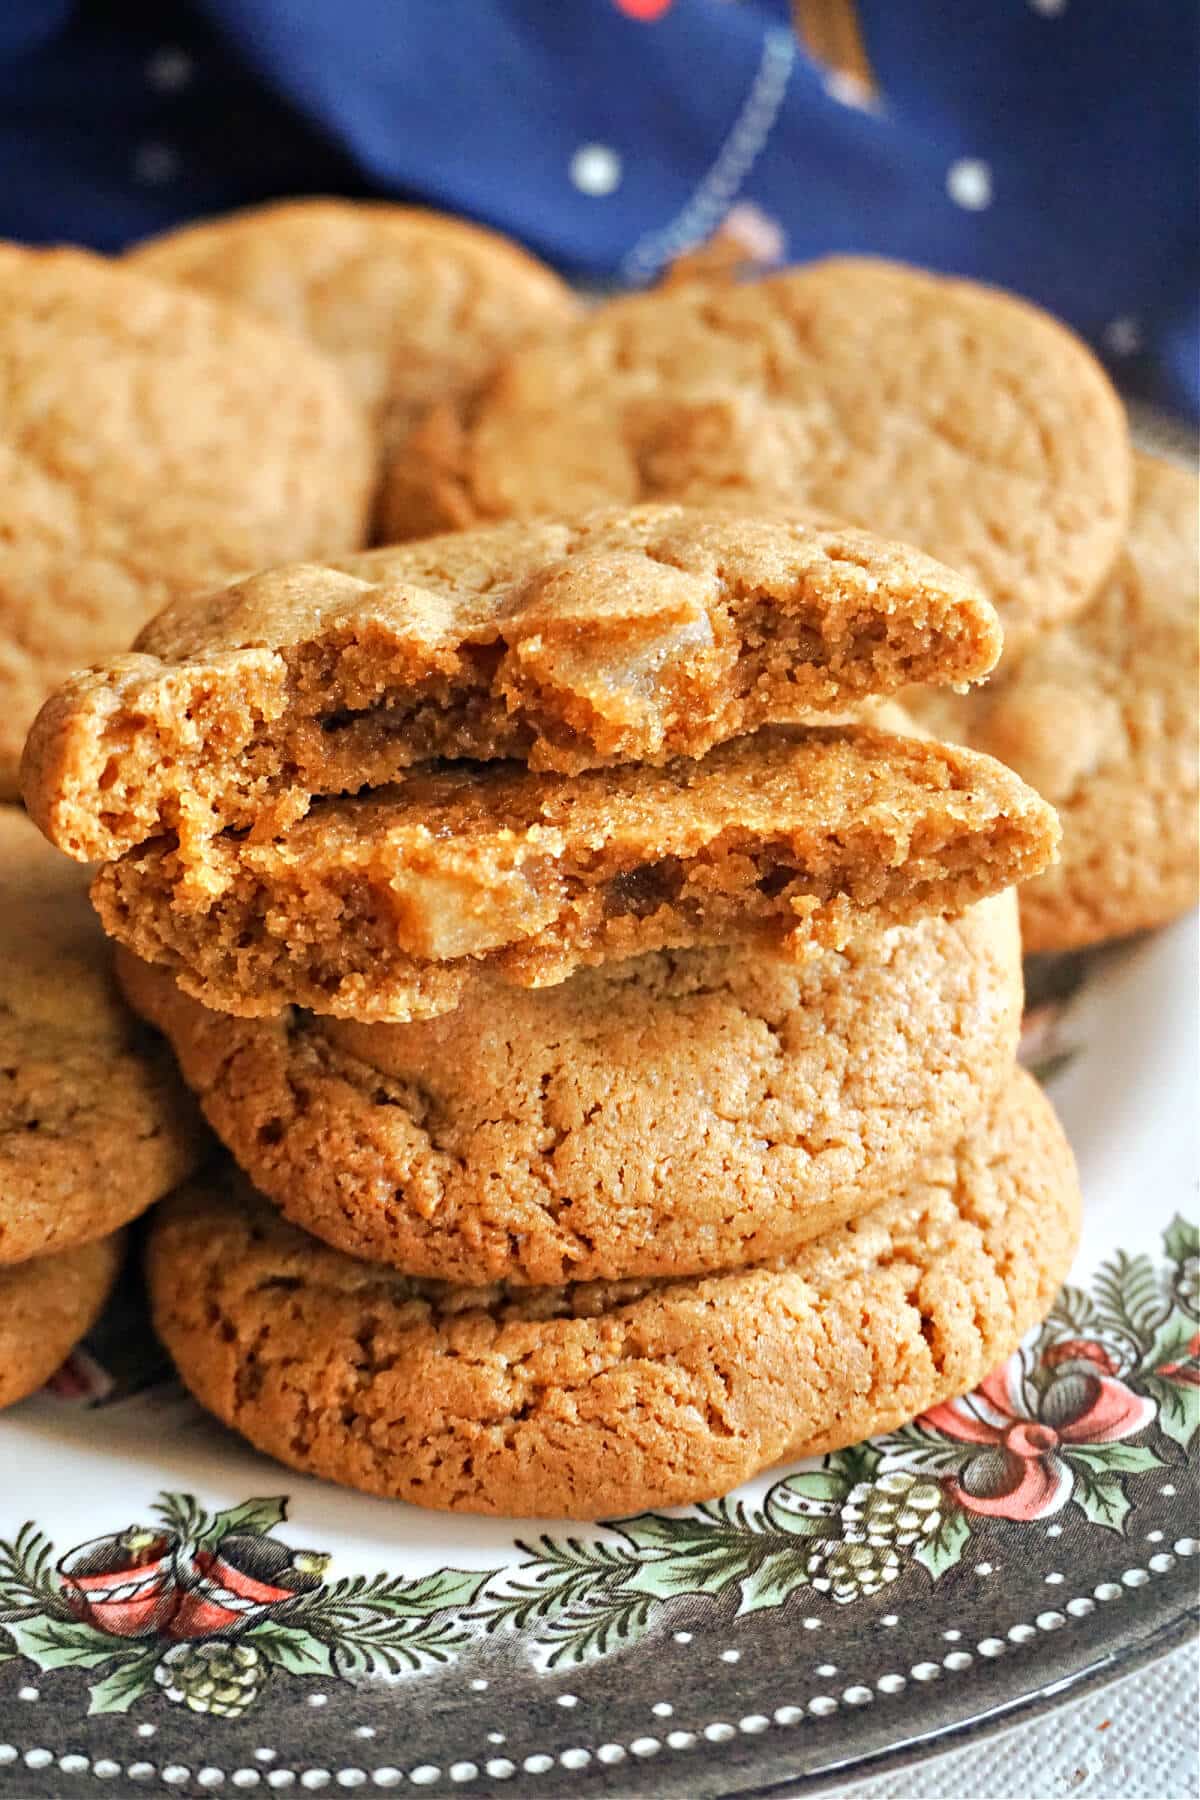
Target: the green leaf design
(1181, 1239)
(292, 1648)
(27, 1577)
(1101, 1498)
(1111, 1459)
(773, 1581)
(944, 1547)
(128, 1682)
(1072, 1315)
(181, 1513)
(1178, 1407)
(384, 1647)
(1171, 1341)
(67, 1644)
(918, 1449)
(703, 1572)
(1129, 1297)
(259, 1515)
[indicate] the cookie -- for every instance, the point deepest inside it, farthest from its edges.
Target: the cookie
(680, 1114)
(410, 304)
(598, 1399)
(151, 442)
(384, 905)
(46, 1306)
(622, 637)
(94, 1124)
(936, 411)
(1101, 715)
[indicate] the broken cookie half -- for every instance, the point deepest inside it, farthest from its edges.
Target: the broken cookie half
(382, 906)
(626, 636)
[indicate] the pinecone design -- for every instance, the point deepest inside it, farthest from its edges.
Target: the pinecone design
(215, 1676)
(879, 1519)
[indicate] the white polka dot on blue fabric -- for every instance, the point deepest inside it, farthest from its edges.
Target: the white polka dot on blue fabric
(169, 69)
(595, 170)
(155, 164)
(969, 183)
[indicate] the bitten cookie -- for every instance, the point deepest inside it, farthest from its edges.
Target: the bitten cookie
(600, 1399)
(151, 442)
(385, 905)
(412, 305)
(46, 1306)
(940, 412)
(624, 636)
(94, 1123)
(678, 1115)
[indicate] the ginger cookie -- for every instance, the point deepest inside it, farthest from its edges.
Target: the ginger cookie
(940, 412)
(46, 1306)
(679, 1114)
(1101, 716)
(94, 1123)
(620, 637)
(383, 906)
(599, 1399)
(152, 442)
(411, 305)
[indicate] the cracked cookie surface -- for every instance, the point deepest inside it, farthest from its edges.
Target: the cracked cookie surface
(94, 1123)
(679, 1114)
(936, 411)
(383, 906)
(598, 1399)
(624, 636)
(152, 442)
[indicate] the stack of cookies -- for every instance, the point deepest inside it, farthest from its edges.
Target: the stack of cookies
(609, 1009)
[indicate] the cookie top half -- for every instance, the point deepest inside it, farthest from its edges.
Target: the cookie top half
(94, 1123)
(385, 905)
(623, 636)
(411, 305)
(937, 411)
(152, 442)
(598, 1399)
(681, 1113)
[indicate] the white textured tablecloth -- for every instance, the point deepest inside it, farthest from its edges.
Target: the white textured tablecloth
(1136, 1739)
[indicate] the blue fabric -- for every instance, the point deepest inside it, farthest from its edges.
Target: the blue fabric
(1048, 145)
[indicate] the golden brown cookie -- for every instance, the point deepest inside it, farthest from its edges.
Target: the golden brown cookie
(598, 1399)
(621, 637)
(151, 442)
(680, 1114)
(383, 906)
(94, 1124)
(46, 1306)
(1101, 716)
(412, 305)
(936, 411)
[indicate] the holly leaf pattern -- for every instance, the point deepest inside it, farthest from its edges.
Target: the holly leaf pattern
(128, 1682)
(774, 1580)
(943, 1548)
(258, 1516)
(1181, 1239)
(1178, 1407)
(1112, 1459)
(1101, 1498)
(66, 1643)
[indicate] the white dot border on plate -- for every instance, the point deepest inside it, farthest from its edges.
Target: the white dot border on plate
(209, 1779)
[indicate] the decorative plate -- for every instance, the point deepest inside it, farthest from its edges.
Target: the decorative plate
(178, 1613)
